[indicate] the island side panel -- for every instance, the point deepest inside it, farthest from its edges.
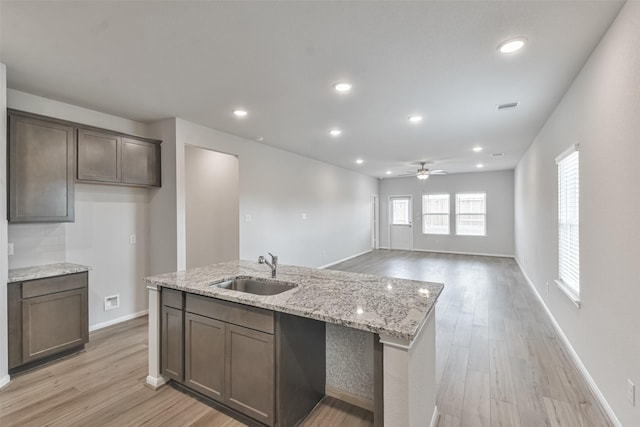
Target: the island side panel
(410, 379)
(154, 379)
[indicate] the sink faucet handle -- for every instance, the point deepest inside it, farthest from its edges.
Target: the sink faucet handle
(274, 258)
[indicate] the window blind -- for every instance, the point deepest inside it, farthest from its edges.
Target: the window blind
(569, 218)
(435, 214)
(471, 214)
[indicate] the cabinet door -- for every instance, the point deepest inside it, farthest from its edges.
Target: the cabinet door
(140, 162)
(172, 343)
(98, 156)
(204, 355)
(54, 323)
(250, 373)
(41, 163)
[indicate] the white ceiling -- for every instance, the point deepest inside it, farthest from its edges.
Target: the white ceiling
(200, 60)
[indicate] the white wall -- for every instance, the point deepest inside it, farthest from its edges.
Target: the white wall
(276, 188)
(4, 351)
(500, 230)
(99, 238)
(601, 111)
(212, 206)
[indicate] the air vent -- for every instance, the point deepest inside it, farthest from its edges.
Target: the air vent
(507, 106)
(496, 154)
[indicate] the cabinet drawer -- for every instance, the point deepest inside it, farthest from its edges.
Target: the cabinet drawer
(238, 314)
(51, 285)
(172, 298)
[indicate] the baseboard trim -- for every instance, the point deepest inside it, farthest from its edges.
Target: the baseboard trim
(464, 253)
(350, 398)
(574, 355)
(118, 320)
(4, 381)
(155, 382)
(435, 418)
(344, 259)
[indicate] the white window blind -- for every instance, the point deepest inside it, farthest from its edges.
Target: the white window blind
(400, 212)
(568, 218)
(435, 214)
(471, 214)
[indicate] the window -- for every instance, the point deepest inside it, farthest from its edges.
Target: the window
(471, 214)
(435, 213)
(400, 211)
(568, 221)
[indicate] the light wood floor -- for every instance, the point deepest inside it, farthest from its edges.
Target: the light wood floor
(500, 363)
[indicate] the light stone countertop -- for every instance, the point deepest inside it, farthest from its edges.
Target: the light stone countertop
(384, 305)
(44, 271)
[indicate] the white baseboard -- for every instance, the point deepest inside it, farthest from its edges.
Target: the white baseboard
(156, 382)
(345, 259)
(435, 418)
(4, 381)
(118, 320)
(464, 253)
(345, 396)
(574, 355)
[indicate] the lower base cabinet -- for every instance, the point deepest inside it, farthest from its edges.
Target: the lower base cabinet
(265, 365)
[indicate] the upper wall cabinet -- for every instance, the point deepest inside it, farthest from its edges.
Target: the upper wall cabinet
(110, 158)
(46, 155)
(41, 165)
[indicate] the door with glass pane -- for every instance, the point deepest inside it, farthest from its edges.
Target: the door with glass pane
(400, 223)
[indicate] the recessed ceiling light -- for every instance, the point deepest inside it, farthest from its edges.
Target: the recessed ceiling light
(240, 113)
(335, 132)
(359, 161)
(342, 87)
(415, 119)
(512, 45)
(479, 165)
(496, 154)
(259, 138)
(388, 172)
(478, 149)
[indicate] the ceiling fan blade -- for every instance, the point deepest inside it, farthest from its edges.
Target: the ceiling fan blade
(407, 174)
(438, 172)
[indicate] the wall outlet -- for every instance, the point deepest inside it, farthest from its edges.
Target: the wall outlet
(303, 216)
(631, 392)
(111, 302)
(324, 253)
(132, 239)
(10, 249)
(247, 218)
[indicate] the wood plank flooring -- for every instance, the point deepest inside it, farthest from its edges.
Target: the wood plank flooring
(499, 360)
(499, 363)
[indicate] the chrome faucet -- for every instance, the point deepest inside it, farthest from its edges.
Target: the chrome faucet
(273, 264)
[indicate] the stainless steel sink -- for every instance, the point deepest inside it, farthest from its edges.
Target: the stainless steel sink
(256, 286)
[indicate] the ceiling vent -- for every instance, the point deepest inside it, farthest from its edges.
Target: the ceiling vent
(507, 106)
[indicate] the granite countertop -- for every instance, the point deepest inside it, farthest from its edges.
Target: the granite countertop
(388, 306)
(43, 271)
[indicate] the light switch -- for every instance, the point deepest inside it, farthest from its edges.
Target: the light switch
(304, 216)
(10, 249)
(132, 239)
(247, 218)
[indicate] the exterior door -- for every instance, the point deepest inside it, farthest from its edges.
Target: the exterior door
(400, 224)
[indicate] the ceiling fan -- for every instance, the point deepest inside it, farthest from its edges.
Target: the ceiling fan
(424, 173)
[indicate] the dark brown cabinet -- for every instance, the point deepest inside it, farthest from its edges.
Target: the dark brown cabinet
(41, 161)
(265, 365)
(172, 330)
(140, 162)
(204, 355)
(47, 317)
(99, 156)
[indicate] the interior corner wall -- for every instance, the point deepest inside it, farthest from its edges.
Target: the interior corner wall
(278, 187)
(601, 112)
(498, 187)
(105, 218)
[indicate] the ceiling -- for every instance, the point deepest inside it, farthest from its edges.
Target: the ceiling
(200, 60)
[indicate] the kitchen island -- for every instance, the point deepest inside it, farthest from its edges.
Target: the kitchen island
(400, 312)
